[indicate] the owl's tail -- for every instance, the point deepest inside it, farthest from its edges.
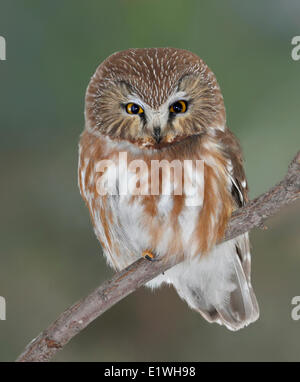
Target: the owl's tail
(218, 284)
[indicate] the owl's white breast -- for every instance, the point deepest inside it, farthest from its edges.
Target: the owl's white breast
(131, 227)
(128, 219)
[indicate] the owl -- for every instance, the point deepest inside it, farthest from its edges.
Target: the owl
(164, 105)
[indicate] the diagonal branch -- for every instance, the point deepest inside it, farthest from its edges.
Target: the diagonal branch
(73, 320)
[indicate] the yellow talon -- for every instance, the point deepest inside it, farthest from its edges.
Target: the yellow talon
(148, 255)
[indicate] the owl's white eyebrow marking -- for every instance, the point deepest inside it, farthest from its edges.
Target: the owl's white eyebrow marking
(177, 97)
(133, 98)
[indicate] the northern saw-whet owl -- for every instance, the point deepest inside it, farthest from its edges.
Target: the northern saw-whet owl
(165, 104)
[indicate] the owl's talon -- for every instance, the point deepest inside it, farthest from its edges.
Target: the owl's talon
(148, 256)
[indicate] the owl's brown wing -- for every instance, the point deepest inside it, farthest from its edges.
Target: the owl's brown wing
(233, 152)
(239, 191)
(218, 285)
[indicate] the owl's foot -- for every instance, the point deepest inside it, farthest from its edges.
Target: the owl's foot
(148, 255)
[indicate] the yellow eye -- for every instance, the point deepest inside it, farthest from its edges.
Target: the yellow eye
(178, 107)
(133, 108)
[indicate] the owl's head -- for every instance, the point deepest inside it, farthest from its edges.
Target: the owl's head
(153, 98)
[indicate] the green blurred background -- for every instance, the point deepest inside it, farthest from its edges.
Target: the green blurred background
(49, 254)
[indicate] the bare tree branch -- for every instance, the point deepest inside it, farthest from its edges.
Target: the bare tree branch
(82, 313)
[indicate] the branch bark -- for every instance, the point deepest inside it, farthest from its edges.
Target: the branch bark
(73, 320)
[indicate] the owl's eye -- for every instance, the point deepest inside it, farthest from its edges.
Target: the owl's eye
(133, 108)
(178, 107)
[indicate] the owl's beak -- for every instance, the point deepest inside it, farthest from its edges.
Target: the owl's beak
(157, 134)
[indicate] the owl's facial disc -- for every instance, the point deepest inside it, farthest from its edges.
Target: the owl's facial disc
(125, 115)
(157, 126)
